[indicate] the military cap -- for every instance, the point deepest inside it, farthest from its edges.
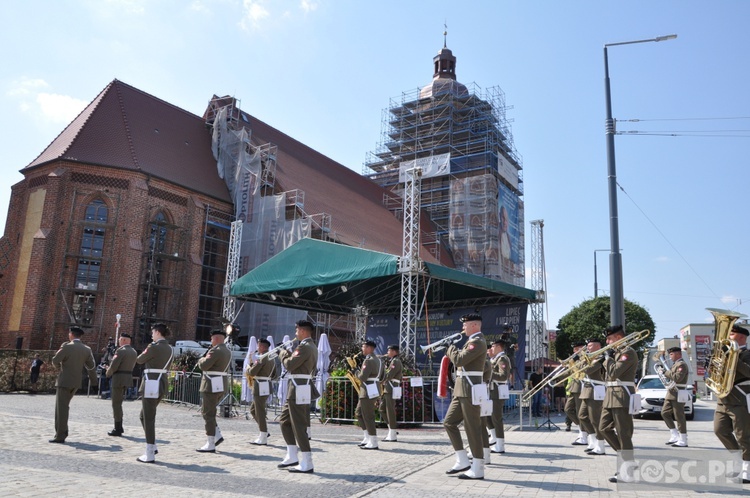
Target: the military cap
(675, 349)
(614, 329)
(740, 330)
(394, 347)
(471, 317)
(370, 342)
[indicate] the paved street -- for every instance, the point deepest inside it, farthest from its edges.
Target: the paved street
(537, 462)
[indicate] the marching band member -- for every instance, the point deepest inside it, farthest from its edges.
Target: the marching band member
(590, 413)
(731, 419)
(616, 423)
(214, 384)
(469, 363)
(501, 369)
(673, 410)
(295, 416)
(121, 372)
(393, 373)
(156, 359)
(573, 403)
(369, 374)
(262, 370)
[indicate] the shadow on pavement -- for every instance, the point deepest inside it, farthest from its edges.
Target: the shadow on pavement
(94, 447)
(203, 469)
(554, 487)
(251, 456)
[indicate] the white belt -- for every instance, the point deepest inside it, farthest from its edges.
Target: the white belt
(500, 382)
(743, 383)
(680, 386)
(301, 376)
(262, 378)
(216, 373)
(154, 371)
(619, 383)
(371, 379)
(465, 373)
(586, 380)
(396, 381)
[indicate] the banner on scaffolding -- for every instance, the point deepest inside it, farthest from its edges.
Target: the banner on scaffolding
(431, 166)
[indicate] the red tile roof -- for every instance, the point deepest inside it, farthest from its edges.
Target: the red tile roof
(124, 127)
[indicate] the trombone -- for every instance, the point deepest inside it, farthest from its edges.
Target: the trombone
(273, 353)
(442, 343)
(576, 364)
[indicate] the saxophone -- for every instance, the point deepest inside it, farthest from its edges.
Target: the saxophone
(725, 353)
(353, 365)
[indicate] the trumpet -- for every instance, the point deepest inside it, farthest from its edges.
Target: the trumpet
(442, 343)
(273, 353)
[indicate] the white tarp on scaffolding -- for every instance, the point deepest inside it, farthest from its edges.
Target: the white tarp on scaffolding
(265, 231)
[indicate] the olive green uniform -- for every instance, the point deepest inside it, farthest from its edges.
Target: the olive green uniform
(262, 371)
(121, 372)
(469, 362)
(155, 360)
(295, 417)
(71, 358)
(731, 419)
(501, 369)
(393, 373)
(573, 402)
(616, 424)
(370, 373)
(214, 364)
(673, 411)
(590, 412)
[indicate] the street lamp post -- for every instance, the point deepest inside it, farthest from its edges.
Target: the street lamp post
(596, 285)
(616, 299)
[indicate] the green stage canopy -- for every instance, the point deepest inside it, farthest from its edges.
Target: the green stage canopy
(322, 276)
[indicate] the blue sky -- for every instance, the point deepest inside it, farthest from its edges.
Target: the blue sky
(322, 71)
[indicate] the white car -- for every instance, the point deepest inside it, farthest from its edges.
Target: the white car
(653, 392)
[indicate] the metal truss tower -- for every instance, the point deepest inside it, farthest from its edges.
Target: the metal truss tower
(410, 264)
(233, 269)
(537, 347)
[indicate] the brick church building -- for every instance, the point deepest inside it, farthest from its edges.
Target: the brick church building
(124, 214)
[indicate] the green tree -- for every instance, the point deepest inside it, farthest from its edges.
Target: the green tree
(591, 317)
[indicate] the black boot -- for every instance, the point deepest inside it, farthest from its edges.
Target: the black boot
(117, 431)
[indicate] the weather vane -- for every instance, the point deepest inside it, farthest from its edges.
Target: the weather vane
(445, 34)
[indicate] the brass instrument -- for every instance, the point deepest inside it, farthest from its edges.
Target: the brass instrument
(660, 367)
(725, 353)
(576, 364)
(250, 378)
(442, 343)
(273, 353)
(353, 365)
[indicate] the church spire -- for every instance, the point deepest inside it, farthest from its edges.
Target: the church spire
(444, 61)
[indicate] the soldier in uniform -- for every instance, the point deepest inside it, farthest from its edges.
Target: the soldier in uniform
(591, 408)
(469, 363)
(501, 369)
(296, 416)
(369, 374)
(673, 410)
(393, 373)
(214, 385)
(731, 419)
(120, 370)
(262, 371)
(573, 403)
(616, 423)
(155, 359)
(71, 358)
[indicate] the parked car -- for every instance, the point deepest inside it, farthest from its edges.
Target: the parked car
(653, 392)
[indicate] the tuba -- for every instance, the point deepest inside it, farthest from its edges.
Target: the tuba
(353, 365)
(660, 367)
(725, 353)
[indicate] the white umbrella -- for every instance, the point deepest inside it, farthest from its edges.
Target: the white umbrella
(281, 393)
(247, 392)
(324, 361)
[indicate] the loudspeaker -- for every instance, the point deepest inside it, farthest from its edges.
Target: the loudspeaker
(19, 342)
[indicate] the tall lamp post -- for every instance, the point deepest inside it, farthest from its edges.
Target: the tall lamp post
(596, 285)
(616, 300)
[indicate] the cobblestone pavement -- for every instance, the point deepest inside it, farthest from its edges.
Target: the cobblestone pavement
(537, 461)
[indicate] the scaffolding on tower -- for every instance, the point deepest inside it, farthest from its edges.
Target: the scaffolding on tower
(538, 331)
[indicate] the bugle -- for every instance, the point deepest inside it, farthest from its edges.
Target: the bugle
(442, 343)
(273, 353)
